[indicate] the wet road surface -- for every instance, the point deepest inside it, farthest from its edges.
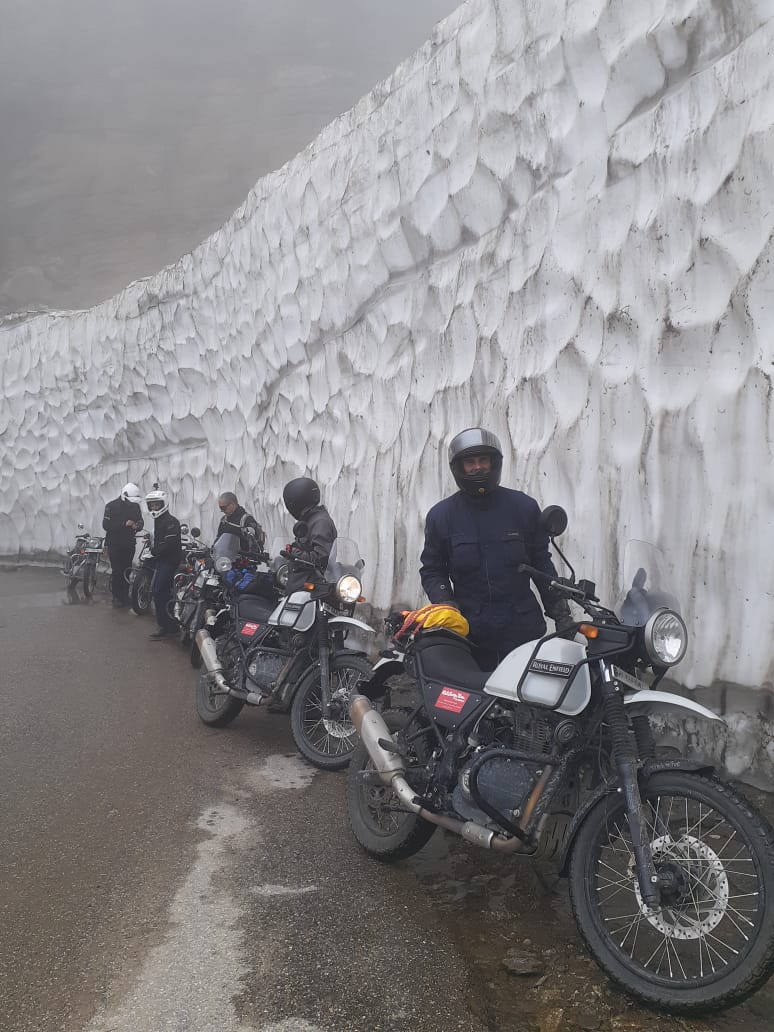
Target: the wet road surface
(158, 875)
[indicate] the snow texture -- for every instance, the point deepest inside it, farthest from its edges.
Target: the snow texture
(555, 220)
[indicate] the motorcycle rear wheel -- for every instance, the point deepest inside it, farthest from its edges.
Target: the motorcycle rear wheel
(710, 943)
(140, 592)
(219, 710)
(328, 744)
(378, 821)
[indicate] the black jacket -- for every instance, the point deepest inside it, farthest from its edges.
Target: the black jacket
(166, 538)
(241, 518)
(315, 547)
(473, 547)
(117, 512)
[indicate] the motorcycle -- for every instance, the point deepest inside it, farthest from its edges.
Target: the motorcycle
(552, 756)
(82, 561)
(140, 576)
(293, 651)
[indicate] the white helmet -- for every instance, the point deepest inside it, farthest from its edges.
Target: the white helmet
(156, 502)
(131, 493)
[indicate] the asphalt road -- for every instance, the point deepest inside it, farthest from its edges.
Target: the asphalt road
(158, 875)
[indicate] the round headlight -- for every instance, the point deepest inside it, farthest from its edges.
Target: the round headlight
(348, 589)
(222, 564)
(281, 575)
(666, 638)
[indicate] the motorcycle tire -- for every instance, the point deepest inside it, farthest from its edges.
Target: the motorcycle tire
(327, 744)
(219, 710)
(140, 593)
(383, 829)
(710, 942)
(89, 580)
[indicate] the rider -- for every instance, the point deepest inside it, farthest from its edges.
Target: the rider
(235, 518)
(168, 550)
(474, 543)
(122, 520)
(314, 531)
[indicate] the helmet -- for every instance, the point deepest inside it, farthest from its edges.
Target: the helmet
(475, 441)
(131, 493)
(156, 502)
(300, 495)
(435, 616)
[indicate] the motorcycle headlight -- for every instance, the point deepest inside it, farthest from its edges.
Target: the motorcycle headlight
(349, 588)
(666, 638)
(222, 564)
(282, 574)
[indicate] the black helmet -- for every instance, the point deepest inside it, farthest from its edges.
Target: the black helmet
(476, 441)
(300, 495)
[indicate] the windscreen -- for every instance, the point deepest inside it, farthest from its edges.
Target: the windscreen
(344, 558)
(646, 584)
(227, 546)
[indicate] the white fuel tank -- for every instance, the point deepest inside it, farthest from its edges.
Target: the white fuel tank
(547, 677)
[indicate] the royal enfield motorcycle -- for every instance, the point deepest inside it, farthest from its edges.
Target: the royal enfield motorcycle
(551, 755)
(292, 651)
(82, 561)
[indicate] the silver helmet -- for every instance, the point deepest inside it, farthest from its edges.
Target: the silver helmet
(156, 501)
(476, 441)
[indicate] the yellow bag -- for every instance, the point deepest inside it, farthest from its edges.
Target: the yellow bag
(436, 615)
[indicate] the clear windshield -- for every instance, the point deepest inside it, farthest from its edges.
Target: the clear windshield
(646, 584)
(227, 545)
(344, 559)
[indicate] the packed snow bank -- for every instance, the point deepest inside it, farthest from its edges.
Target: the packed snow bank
(556, 220)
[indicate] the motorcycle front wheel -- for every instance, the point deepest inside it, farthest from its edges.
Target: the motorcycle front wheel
(213, 709)
(140, 592)
(89, 579)
(328, 744)
(710, 941)
(377, 818)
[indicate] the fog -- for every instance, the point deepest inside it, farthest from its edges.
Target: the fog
(130, 131)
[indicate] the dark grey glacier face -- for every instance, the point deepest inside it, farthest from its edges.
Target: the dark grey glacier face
(130, 131)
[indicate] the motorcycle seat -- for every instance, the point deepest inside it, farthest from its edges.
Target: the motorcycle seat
(251, 607)
(445, 656)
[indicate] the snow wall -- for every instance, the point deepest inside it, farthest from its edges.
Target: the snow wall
(555, 220)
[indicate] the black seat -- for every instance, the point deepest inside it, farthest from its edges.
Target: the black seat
(445, 656)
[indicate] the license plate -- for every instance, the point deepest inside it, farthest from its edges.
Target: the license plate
(630, 680)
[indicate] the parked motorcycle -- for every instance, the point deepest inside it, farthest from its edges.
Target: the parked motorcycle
(140, 576)
(81, 562)
(293, 651)
(551, 755)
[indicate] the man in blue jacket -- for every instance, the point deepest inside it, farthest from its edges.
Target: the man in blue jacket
(474, 543)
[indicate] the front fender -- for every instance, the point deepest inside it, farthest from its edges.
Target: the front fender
(649, 768)
(671, 700)
(383, 671)
(351, 622)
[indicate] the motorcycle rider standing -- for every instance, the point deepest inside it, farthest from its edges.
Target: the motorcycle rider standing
(168, 551)
(251, 535)
(474, 543)
(122, 520)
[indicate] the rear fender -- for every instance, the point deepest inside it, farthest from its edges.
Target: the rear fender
(375, 688)
(648, 769)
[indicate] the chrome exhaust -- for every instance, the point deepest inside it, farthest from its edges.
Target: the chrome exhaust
(391, 769)
(209, 654)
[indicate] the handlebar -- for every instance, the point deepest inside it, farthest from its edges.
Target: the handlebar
(580, 591)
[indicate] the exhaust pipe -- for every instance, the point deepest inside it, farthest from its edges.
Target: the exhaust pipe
(209, 654)
(391, 769)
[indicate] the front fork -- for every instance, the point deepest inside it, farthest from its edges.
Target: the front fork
(324, 653)
(627, 764)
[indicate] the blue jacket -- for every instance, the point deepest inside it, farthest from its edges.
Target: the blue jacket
(473, 547)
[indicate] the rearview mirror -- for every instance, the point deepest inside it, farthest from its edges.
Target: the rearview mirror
(301, 530)
(195, 532)
(553, 520)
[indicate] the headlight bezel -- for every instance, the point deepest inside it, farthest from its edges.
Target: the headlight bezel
(651, 628)
(345, 588)
(223, 564)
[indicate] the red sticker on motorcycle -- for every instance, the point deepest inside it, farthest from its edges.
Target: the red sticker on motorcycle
(452, 700)
(249, 629)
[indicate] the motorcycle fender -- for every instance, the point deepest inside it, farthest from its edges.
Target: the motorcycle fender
(671, 700)
(649, 768)
(351, 622)
(383, 671)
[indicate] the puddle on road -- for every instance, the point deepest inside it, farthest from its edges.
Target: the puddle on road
(492, 905)
(283, 771)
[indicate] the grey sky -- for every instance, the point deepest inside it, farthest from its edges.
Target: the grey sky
(131, 129)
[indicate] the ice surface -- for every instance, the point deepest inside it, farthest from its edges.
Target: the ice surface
(556, 220)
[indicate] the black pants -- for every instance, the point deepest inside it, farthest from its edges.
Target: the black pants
(121, 557)
(162, 592)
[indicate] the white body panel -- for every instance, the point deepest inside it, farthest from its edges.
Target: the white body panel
(544, 689)
(671, 700)
(297, 610)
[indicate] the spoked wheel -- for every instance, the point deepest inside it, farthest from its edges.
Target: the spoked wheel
(89, 579)
(215, 709)
(140, 592)
(327, 743)
(378, 820)
(710, 942)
